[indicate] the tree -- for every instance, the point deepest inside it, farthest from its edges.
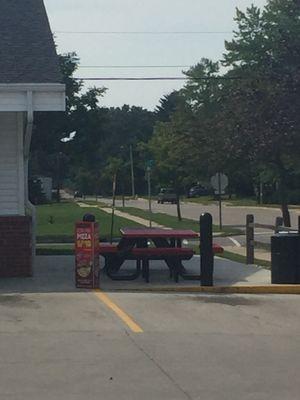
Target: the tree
(171, 154)
(265, 54)
(83, 117)
(98, 133)
(247, 121)
(168, 105)
(124, 127)
(186, 147)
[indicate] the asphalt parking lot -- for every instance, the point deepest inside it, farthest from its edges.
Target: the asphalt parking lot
(61, 343)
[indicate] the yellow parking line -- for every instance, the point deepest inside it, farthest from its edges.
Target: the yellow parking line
(117, 310)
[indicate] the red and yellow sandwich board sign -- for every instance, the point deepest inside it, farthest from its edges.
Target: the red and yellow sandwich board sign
(87, 268)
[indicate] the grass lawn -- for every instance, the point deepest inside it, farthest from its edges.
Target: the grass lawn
(50, 249)
(253, 203)
(248, 202)
(56, 222)
(172, 222)
(234, 202)
(205, 200)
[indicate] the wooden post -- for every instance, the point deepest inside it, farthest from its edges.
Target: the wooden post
(250, 239)
(149, 195)
(132, 173)
(123, 195)
(220, 202)
(113, 207)
(260, 192)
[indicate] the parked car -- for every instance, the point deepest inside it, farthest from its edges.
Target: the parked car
(78, 195)
(199, 190)
(167, 195)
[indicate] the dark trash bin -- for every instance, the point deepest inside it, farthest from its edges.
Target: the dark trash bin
(285, 258)
(89, 218)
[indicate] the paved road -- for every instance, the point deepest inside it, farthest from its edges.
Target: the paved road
(59, 343)
(231, 215)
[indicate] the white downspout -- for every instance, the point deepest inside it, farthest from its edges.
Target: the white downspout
(30, 209)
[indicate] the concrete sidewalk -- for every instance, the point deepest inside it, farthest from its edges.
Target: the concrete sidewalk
(226, 273)
(260, 254)
(56, 274)
(108, 210)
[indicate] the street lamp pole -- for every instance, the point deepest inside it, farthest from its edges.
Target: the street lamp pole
(59, 155)
(132, 172)
(149, 195)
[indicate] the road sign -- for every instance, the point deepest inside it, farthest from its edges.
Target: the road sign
(219, 182)
(149, 164)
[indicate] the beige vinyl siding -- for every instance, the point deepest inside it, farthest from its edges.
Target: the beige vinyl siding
(11, 164)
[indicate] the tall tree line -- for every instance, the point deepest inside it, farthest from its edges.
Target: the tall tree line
(244, 122)
(84, 147)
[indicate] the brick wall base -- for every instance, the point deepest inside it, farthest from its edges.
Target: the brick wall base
(15, 246)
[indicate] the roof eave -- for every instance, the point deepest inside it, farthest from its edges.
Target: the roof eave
(45, 97)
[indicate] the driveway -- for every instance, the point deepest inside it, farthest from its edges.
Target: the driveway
(61, 343)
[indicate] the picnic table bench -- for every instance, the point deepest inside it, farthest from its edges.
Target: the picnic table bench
(134, 246)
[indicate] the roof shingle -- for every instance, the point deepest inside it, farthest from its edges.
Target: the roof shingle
(27, 50)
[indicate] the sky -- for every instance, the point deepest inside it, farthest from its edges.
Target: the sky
(116, 49)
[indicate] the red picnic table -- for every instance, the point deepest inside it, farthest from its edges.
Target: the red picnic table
(145, 244)
(150, 233)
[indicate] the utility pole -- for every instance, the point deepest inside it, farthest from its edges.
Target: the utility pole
(149, 195)
(260, 192)
(132, 172)
(220, 201)
(59, 156)
(113, 206)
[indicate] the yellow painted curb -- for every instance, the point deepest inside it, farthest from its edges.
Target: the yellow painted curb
(242, 289)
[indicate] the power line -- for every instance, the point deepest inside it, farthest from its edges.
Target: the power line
(141, 32)
(170, 78)
(135, 79)
(134, 66)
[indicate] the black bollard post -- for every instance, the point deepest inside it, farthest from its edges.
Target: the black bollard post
(250, 239)
(206, 250)
(89, 218)
(278, 224)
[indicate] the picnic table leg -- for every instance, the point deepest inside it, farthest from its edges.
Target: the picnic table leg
(176, 273)
(162, 242)
(175, 267)
(113, 263)
(145, 269)
(120, 277)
